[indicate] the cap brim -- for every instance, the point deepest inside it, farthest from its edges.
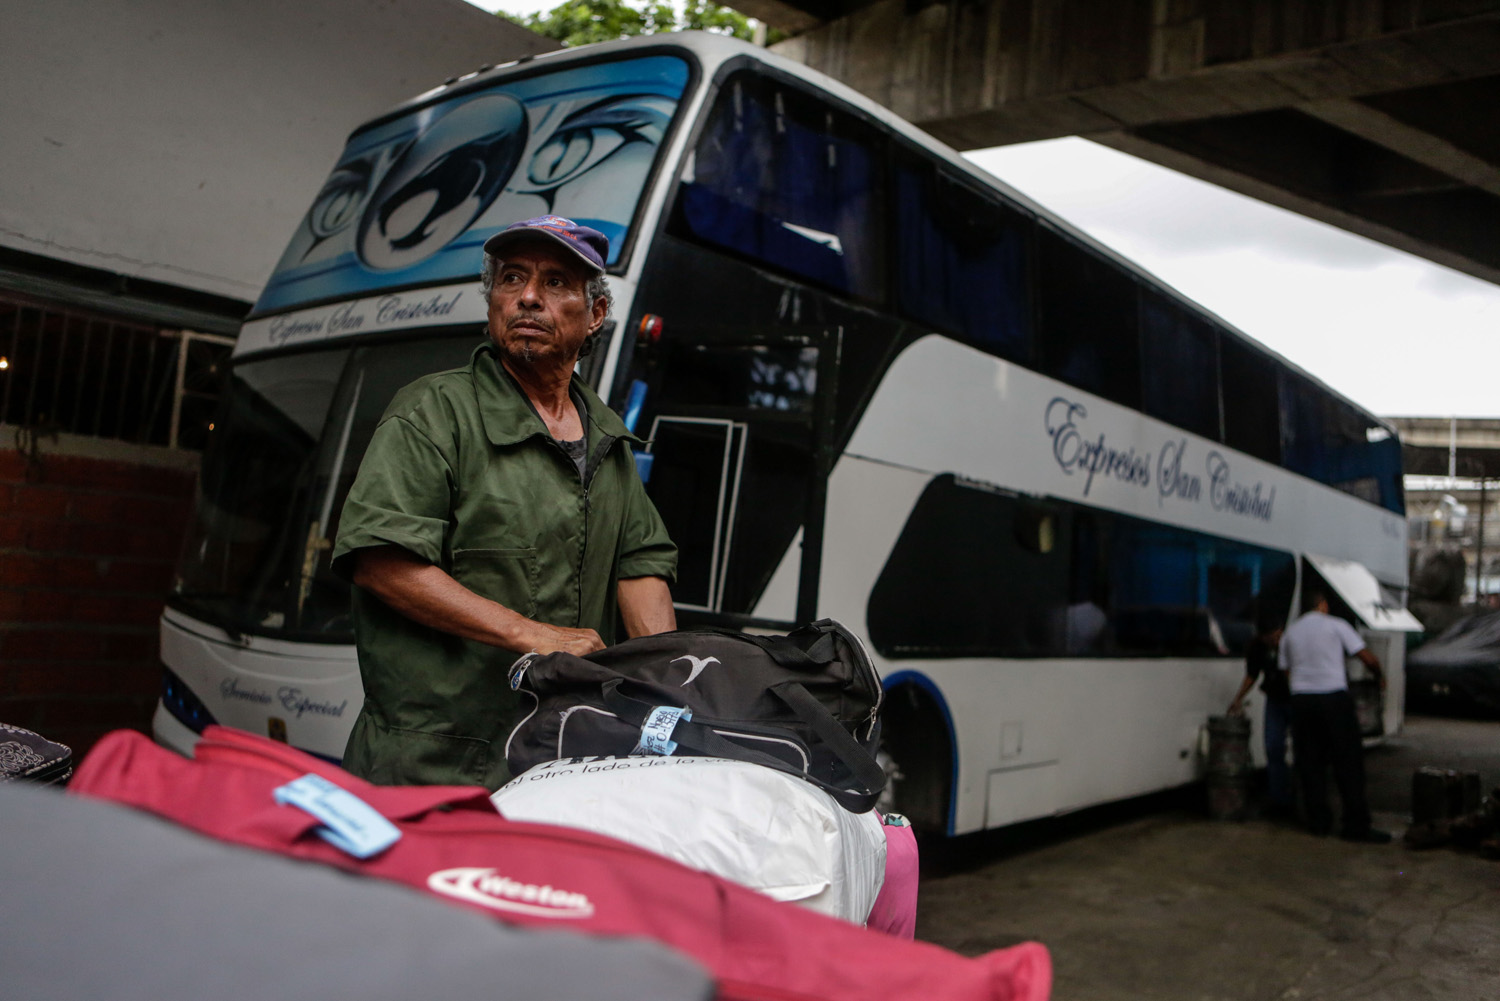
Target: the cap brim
(507, 237)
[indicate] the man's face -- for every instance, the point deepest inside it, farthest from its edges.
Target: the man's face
(539, 308)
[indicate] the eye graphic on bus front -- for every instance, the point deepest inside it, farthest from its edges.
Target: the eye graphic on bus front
(591, 135)
(338, 204)
(444, 180)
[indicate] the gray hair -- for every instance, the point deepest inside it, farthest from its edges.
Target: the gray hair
(596, 288)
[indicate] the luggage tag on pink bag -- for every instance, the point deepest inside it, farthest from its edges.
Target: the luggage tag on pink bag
(349, 823)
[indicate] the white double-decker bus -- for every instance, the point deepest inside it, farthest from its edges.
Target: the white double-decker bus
(1053, 495)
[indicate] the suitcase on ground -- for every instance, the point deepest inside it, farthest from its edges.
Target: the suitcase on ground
(454, 845)
(30, 757)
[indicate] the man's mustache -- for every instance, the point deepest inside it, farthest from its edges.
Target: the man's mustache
(530, 321)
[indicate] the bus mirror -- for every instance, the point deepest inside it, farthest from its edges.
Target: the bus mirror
(648, 334)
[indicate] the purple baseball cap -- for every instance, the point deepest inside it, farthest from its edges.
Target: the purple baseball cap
(590, 245)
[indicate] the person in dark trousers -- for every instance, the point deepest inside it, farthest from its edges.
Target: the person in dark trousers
(1325, 728)
(1262, 661)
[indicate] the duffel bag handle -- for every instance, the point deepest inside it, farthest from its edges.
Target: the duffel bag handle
(868, 779)
(782, 650)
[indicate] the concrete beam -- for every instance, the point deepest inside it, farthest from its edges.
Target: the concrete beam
(1347, 218)
(793, 19)
(1367, 114)
(1422, 147)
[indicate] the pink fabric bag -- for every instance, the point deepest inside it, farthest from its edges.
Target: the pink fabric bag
(454, 845)
(895, 909)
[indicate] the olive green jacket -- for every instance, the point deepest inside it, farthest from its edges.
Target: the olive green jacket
(462, 472)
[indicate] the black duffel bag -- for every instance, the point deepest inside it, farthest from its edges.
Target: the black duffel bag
(807, 703)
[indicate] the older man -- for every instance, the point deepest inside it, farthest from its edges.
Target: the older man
(497, 511)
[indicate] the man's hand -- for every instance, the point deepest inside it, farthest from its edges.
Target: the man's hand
(561, 639)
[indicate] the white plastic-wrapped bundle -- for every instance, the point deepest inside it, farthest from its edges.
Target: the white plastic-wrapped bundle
(759, 827)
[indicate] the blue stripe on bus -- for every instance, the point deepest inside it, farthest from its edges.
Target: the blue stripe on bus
(930, 687)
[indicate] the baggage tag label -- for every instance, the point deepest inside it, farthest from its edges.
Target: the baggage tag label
(349, 823)
(656, 732)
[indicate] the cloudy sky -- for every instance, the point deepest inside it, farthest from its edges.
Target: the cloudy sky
(1398, 335)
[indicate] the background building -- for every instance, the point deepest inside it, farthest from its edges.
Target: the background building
(1452, 499)
(157, 156)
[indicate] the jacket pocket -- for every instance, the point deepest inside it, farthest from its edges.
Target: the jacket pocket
(509, 576)
(393, 755)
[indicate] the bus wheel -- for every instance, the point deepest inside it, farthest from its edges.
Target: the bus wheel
(916, 754)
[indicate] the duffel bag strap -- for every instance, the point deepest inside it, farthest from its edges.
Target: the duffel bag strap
(867, 778)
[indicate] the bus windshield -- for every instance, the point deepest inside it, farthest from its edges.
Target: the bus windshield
(284, 448)
(413, 199)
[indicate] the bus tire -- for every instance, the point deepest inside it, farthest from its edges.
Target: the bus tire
(916, 753)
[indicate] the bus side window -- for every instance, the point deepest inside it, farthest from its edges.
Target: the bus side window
(1089, 333)
(961, 262)
(1180, 366)
(782, 178)
(975, 572)
(1329, 441)
(1250, 397)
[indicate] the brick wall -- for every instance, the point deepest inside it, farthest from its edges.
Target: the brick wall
(87, 547)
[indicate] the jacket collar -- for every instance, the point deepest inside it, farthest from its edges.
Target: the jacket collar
(508, 415)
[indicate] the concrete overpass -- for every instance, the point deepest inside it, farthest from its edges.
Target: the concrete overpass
(1377, 116)
(1443, 446)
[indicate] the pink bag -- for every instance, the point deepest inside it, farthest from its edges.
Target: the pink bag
(454, 845)
(895, 909)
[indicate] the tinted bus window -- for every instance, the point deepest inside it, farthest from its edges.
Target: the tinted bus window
(978, 572)
(1179, 366)
(961, 262)
(786, 180)
(1251, 401)
(974, 573)
(1088, 336)
(1328, 440)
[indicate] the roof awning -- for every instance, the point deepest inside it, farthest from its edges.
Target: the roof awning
(1358, 587)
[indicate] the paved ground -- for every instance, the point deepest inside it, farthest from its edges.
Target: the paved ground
(1154, 901)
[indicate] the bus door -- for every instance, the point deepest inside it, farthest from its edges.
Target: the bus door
(742, 437)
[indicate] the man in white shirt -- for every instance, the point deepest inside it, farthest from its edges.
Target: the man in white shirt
(1325, 728)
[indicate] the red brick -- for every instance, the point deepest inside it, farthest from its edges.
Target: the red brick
(12, 466)
(50, 645)
(141, 646)
(151, 578)
(40, 502)
(12, 605)
(13, 532)
(93, 474)
(41, 606)
(129, 509)
(89, 679)
(132, 611)
(27, 713)
(24, 570)
(80, 539)
(104, 714)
